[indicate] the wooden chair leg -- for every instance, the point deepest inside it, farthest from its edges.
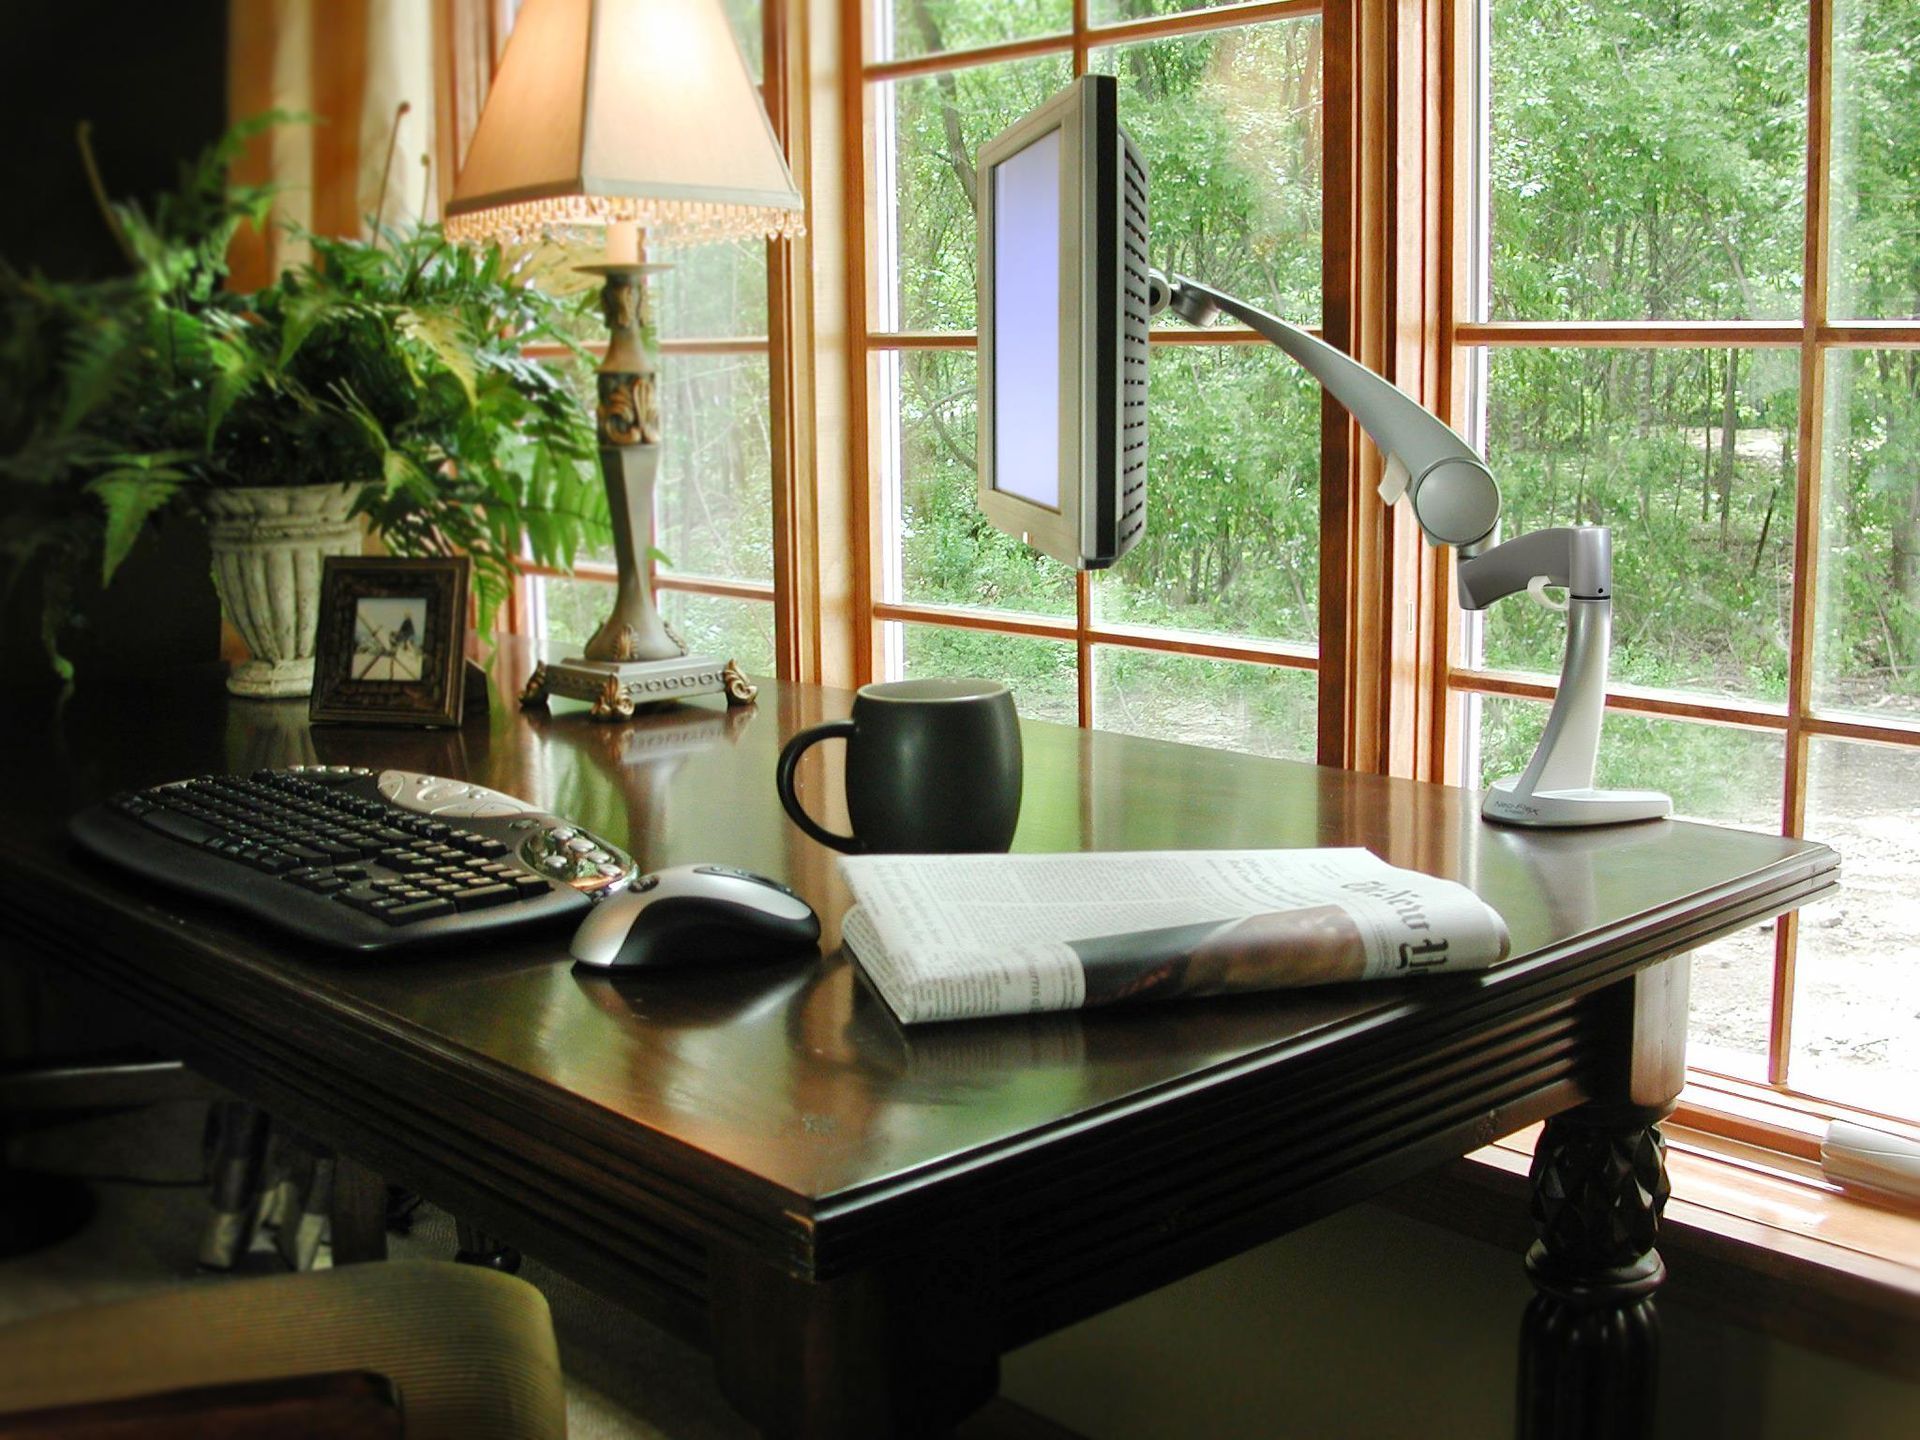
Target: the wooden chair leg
(359, 1219)
(238, 1140)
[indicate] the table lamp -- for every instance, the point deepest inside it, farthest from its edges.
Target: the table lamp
(627, 116)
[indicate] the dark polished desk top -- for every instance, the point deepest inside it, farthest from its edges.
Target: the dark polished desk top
(780, 1110)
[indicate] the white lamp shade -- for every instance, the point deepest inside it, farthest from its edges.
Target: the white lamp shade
(633, 111)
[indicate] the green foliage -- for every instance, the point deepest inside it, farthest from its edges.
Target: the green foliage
(396, 363)
(1648, 159)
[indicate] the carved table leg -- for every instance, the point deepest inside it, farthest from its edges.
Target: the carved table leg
(1589, 1346)
(907, 1352)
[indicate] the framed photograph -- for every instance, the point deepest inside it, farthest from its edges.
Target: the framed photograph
(391, 647)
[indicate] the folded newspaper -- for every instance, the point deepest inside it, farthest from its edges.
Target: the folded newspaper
(951, 937)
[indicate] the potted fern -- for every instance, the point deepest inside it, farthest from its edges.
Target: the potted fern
(380, 384)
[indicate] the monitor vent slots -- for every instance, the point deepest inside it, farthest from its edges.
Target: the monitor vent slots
(1133, 348)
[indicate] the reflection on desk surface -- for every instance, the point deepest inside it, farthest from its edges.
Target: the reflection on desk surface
(798, 1075)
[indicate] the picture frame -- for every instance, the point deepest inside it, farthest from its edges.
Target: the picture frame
(391, 643)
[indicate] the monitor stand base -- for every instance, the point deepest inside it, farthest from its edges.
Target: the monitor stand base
(1565, 809)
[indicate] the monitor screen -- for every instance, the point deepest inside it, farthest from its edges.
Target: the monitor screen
(1026, 322)
(1062, 231)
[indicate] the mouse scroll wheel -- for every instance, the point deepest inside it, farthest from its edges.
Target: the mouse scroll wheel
(642, 883)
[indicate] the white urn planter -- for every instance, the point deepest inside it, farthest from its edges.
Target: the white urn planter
(269, 543)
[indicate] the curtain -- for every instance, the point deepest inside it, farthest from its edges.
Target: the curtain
(350, 65)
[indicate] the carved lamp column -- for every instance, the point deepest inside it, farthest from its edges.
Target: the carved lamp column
(626, 115)
(628, 420)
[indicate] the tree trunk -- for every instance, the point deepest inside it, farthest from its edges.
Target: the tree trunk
(1903, 445)
(957, 157)
(1729, 420)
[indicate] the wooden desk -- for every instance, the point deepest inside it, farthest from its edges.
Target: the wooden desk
(858, 1220)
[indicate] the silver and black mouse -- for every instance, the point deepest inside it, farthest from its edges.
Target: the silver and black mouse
(696, 915)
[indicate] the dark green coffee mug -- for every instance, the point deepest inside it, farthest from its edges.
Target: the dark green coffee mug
(933, 766)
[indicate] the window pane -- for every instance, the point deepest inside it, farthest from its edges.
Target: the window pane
(1856, 1006)
(941, 548)
(1119, 12)
(740, 630)
(1262, 709)
(1715, 773)
(1647, 162)
(1229, 125)
(714, 502)
(904, 28)
(722, 626)
(1233, 498)
(744, 17)
(1875, 248)
(575, 609)
(1701, 510)
(1039, 672)
(1867, 651)
(712, 290)
(1730, 1004)
(926, 134)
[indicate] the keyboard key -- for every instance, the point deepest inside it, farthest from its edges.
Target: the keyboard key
(181, 827)
(414, 910)
(482, 896)
(358, 897)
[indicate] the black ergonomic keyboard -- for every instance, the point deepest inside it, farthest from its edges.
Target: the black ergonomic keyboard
(358, 859)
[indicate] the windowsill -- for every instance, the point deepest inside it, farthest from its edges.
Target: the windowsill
(1751, 1236)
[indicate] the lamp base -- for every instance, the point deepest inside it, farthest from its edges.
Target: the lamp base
(619, 688)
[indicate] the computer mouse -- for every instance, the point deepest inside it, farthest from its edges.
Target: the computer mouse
(696, 915)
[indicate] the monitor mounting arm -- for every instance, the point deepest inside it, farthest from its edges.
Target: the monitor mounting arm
(1455, 500)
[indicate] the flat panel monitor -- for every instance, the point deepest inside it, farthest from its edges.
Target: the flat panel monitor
(1063, 329)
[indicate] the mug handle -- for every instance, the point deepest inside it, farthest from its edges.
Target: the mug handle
(790, 755)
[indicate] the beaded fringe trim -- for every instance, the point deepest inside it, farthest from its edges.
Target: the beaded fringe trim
(673, 221)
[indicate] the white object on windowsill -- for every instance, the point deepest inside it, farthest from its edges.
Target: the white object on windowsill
(1854, 1155)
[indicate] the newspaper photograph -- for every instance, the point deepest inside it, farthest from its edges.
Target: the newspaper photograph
(952, 937)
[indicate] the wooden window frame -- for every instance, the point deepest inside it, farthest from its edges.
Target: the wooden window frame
(1715, 1102)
